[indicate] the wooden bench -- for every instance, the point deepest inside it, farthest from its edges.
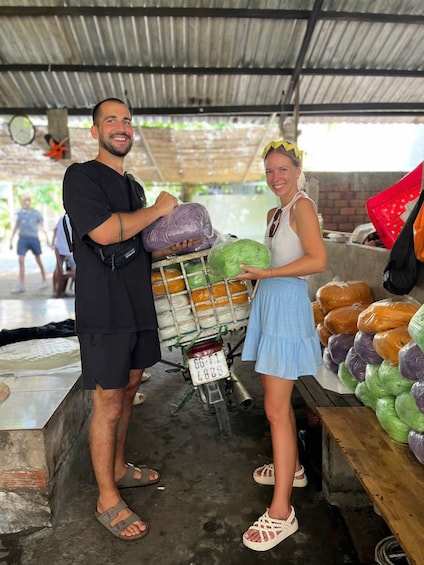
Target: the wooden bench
(388, 471)
(316, 396)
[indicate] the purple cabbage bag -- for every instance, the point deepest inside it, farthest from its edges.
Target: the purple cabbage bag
(411, 362)
(328, 362)
(338, 346)
(416, 445)
(364, 348)
(356, 365)
(189, 220)
(417, 393)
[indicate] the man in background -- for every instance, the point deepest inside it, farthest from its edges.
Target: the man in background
(28, 222)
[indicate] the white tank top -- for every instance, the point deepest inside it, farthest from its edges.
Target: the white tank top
(285, 245)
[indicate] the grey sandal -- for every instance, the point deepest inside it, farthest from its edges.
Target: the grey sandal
(130, 481)
(106, 518)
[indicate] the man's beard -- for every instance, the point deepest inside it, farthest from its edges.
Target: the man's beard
(113, 151)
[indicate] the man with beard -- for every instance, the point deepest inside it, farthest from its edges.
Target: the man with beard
(115, 315)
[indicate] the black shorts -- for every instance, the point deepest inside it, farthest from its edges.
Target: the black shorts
(107, 359)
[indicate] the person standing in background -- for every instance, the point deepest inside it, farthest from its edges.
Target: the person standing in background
(29, 222)
(61, 243)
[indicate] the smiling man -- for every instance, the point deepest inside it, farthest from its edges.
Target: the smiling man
(115, 315)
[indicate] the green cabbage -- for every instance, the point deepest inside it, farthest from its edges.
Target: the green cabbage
(225, 257)
(390, 421)
(196, 276)
(346, 376)
(364, 395)
(373, 381)
(416, 327)
(408, 412)
(392, 379)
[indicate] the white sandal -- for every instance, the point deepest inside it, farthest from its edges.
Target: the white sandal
(271, 531)
(145, 377)
(139, 398)
(265, 476)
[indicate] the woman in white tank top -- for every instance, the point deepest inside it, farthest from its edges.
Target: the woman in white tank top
(281, 334)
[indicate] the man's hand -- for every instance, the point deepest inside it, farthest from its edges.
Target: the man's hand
(176, 248)
(165, 202)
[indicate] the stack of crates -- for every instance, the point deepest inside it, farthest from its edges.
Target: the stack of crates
(190, 305)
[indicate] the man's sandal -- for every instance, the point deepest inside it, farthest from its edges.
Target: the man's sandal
(129, 480)
(265, 476)
(107, 518)
(271, 531)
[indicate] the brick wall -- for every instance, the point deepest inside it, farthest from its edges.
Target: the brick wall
(342, 196)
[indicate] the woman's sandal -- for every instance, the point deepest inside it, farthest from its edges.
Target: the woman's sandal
(271, 531)
(129, 480)
(139, 398)
(265, 476)
(107, 518)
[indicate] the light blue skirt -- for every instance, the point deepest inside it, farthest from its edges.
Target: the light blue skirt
(281, 334)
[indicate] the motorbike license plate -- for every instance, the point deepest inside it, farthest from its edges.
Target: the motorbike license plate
(208, 368)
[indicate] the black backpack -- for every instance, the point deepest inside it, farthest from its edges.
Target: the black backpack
(401, 271)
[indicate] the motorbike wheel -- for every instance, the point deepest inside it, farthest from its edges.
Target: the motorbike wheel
(214, 395)
(221, 412)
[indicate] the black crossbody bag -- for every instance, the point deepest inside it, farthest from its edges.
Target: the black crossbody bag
(115, 255)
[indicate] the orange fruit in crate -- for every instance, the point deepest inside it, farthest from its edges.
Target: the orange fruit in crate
(172, 280)
(202, 296)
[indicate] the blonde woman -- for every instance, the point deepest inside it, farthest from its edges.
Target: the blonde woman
(281, 335)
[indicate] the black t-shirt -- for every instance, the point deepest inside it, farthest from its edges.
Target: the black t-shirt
(106, 301)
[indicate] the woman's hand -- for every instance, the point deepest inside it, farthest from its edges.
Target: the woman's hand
(253, 274)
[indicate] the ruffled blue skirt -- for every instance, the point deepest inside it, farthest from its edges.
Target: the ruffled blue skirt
(281, 334)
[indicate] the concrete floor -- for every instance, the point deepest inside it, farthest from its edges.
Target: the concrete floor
(206, 497)
(204, 502)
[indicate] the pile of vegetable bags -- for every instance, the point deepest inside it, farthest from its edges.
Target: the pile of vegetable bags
(383, 360)
(186, 221)
(336, 309)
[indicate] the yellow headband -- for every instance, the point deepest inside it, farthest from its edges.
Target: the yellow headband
(288, 147)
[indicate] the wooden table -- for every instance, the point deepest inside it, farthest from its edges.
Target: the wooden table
(388, 471)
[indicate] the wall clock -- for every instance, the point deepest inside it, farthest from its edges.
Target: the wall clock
(21, 129)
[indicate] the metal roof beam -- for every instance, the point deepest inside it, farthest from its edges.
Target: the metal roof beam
(312, 22)
(138, 11)
(55, 11)
(259, 71)
(371, 109)
(417, 19)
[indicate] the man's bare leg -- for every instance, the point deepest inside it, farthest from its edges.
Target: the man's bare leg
(122, 429)
(108, 410)
(22, 270)
(41, 267)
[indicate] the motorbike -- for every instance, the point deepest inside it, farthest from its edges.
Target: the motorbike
(199, 314)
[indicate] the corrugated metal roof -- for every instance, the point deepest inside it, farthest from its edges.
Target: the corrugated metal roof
(215, 60)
